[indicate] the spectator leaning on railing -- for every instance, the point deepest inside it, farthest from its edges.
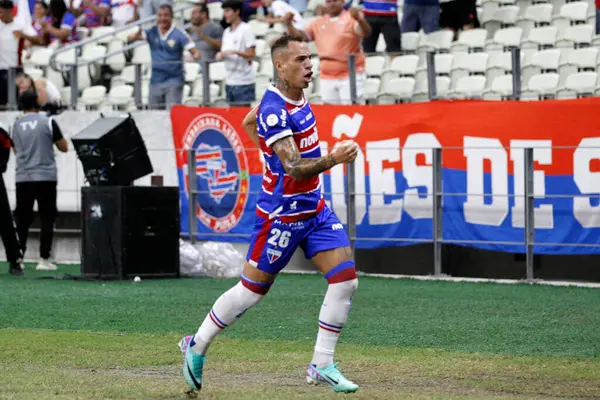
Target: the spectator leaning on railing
(167, 44)
(238, 50)
(11, 45)
(277, 10)
(206, 35)
(336, 35)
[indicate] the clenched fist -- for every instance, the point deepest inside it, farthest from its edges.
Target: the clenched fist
(345, 152)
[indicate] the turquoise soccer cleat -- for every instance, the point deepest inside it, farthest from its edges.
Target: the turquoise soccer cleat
(193, 364)
(332, 376)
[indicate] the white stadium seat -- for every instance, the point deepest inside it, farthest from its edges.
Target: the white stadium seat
(579, 84)
(470, 40)
(469, 87)
(540, 85)
(501, 88)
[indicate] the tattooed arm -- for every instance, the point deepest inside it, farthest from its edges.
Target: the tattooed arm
(304, 168)
(250, 126)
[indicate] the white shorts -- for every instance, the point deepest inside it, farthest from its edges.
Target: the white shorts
(337, 91)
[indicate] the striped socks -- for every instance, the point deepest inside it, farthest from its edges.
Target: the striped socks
(332, 317)
(226, 311)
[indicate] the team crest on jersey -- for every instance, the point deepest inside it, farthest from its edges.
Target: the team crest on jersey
(273, 255)
(221, 173)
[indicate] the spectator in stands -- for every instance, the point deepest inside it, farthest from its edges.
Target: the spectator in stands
(40, 39)
(458, 15)
(8, 232)
(95, 11)
(382, 15)
(123, 12)
(336, 35)
(11, 44)
(238, 50)
(277, 10)
(149, 8)
(34, 135)
(417, 14)
(47, 93)
(62, 26)
(206, 34)
(40, 14)
(167, 44)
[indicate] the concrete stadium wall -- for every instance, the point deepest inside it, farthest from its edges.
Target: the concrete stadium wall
(415, 260)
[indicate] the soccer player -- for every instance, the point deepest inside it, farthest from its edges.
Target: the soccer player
(291, 213)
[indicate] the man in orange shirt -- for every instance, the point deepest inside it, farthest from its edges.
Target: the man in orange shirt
(337, 34)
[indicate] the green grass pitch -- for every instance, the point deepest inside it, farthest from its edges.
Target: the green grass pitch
(63, 339)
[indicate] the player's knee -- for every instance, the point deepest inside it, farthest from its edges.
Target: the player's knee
(259, 288)
(343, 272)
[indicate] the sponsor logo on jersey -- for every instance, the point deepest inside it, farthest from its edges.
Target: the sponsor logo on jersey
(221, 173)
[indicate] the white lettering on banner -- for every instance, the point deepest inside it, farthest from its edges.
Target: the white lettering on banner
(476, 150)
(587, 182)
(418, 175)
(383, 181)
(346, 125)
(542, 153)
(338, 190)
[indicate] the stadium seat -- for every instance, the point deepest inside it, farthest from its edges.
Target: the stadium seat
(500, 88)
(41, 57)
(535, 15)
(570, 14)
(259, 28)
(442, 64)
(92, 96)
(34, 73)
(541, 62)
(576, 36)
(404, 65)
(540, 38)
(101, 31)
(90, 53)
(191, 71)
(141, 55)
(198, 91)
(215, 11)
(374, 65)
(262, 49)
(410, 41)
(504, 39)
(579, 60)
(120, 96)
(500, 64)
(442, 85)
(436, 41)
(465, 64)
(217, 72)
(402, 89)
(500, 18)
(578, 85)
(117, 61)
(371, 88)
(468, 87)
(470, 40)
(540, 86)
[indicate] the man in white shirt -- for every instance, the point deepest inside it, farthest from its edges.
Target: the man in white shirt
(123, 12)
(277, 10)
(11, 46)
(238, 50)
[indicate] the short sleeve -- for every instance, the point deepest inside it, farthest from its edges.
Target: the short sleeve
(185, 41)
(28, 30)
(146, 33)
(310, 29)
(56, 132)
(273, 123)
(68, 21)
(216, 32)
(249, 37)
